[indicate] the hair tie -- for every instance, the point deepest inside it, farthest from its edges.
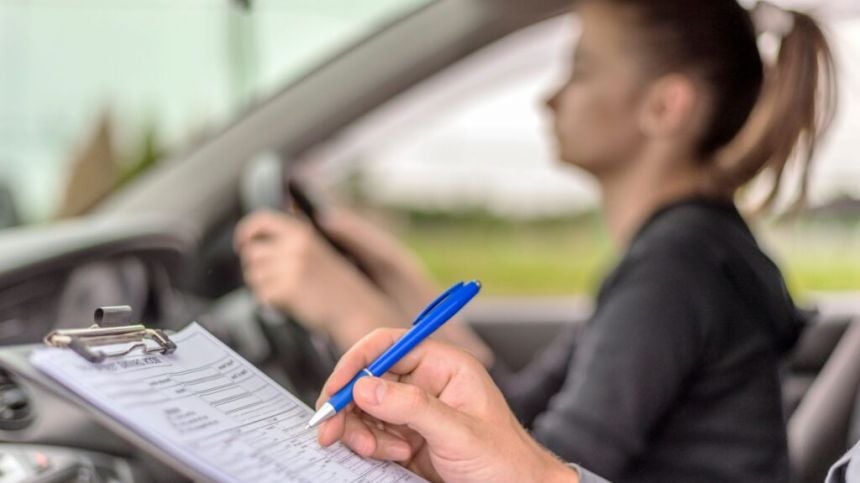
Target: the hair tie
(772, 19)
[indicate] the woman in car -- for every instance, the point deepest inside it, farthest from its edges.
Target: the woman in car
(673, 110)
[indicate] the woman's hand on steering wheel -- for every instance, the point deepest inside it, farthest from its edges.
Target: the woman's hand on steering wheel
(289, 266)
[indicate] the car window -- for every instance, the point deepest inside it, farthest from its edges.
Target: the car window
(464, 169)
(94, 92)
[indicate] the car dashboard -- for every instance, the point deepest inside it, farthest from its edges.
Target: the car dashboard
(47, 436)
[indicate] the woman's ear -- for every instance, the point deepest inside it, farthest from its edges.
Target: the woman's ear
(669, 108)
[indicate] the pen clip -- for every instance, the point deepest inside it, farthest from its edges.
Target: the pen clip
(436, 302)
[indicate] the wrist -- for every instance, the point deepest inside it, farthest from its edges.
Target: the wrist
(561, 472)
(547, 467)
(354, 301)
(367, 312)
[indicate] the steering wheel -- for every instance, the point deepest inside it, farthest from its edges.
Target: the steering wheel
(307, 358)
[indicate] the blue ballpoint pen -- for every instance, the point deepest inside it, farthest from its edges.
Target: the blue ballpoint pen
(430, 319)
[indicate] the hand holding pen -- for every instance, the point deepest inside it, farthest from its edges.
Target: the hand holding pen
(441, 416)
(431, 318)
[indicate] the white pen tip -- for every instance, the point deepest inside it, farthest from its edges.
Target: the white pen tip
(325, 412)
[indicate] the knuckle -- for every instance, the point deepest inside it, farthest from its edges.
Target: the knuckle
(390, 333)
(264, 216)
(251, 224)
(464, 359)
(470, 362)
(415, 398)
(303, 236)
(290, 281)
(378, 333)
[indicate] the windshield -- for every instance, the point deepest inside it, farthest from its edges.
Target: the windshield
(94, 92)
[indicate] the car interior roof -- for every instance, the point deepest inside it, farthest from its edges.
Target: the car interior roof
(314, 108)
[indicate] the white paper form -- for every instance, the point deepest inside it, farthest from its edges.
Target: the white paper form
(214, 411)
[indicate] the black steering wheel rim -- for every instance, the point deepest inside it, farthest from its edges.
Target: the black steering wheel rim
(307, 358)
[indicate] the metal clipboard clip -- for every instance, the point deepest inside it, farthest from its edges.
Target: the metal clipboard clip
(82, 341)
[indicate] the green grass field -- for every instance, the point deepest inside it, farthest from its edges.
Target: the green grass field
(817, 257)
(570, 257)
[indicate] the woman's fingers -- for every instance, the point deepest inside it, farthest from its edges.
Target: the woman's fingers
(258, 253)
(258, 225)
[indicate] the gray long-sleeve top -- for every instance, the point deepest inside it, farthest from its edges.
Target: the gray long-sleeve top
(675, 377)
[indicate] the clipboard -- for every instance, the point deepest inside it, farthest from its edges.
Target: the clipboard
(84, 341)
(159, 464)
(196, 406)
(110, 327)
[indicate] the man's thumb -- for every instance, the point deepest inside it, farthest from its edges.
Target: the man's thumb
(398, 403)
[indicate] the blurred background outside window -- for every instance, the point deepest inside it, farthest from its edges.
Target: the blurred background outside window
(465, 171)
(95, 92)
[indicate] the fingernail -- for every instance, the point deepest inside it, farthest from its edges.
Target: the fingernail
(380, 391)
(372, 390)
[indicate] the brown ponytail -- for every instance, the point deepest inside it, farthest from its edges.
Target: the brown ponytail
(763, 117)
(795, 108)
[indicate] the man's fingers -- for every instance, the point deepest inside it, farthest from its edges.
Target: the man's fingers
(390, 376)
(404, 404)
(389, 446)
(443, 361)
(358, 357)
(415, 440)
(358, 437)
(365, 437)
(332, 429)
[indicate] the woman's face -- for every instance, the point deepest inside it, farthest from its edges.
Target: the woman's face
(596, 111)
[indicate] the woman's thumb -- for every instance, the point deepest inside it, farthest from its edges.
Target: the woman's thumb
(405, 404)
